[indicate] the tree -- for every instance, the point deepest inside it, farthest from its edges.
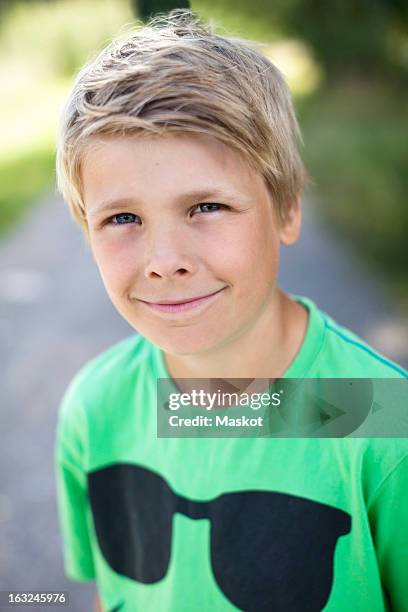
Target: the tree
(147, 8)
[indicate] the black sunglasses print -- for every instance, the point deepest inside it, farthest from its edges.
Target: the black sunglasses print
(269, 551)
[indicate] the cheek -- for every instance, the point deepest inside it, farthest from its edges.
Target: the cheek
(114, 264)
(253, 254)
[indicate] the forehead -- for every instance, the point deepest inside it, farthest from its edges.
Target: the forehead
(154, 167)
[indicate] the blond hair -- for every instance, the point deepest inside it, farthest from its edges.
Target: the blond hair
(176, 75)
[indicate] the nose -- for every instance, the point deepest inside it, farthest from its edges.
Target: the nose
(169, 257)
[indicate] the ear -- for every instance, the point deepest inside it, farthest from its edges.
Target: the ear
(290, 228)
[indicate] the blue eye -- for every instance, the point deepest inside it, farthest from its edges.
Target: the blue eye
(211, 207)
(122, 219)
(130, 218)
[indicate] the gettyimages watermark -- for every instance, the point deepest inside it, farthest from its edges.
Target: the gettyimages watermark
(221, 399)
(287, 407)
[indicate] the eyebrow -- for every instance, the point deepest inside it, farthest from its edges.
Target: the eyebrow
(199, 194)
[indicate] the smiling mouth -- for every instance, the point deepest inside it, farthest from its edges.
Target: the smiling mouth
(188, 304)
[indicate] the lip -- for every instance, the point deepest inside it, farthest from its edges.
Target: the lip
(189, 304)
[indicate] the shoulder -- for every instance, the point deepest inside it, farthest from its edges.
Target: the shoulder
(380, 458)
(114, 361)
(109, 374)
(375, 458)
(345, 354)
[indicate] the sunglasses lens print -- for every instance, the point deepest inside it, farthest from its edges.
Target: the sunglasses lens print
(273, 551)
(132, 509)
(269, 551)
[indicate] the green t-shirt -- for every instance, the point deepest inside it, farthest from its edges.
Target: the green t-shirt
(173, 525)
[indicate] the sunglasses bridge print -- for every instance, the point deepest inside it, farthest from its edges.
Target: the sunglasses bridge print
(269, 551)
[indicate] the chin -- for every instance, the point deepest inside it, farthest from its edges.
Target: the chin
(182, 342)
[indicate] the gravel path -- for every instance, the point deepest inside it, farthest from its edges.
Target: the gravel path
(54, 316)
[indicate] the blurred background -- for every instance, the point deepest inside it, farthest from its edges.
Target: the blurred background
(347, 66)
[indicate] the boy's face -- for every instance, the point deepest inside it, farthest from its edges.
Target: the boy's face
(159, 245)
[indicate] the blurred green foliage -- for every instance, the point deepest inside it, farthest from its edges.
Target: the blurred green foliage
(23, 181)
(42, 44)
(356, 151)
(57, 36)
(367, 38)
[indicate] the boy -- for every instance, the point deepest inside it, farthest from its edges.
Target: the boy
(178, 156)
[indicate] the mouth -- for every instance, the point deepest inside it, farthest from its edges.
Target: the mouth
(183, 304)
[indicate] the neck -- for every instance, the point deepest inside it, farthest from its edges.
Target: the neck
(264, 350)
